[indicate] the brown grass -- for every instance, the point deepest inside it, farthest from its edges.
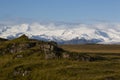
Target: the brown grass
(91, 48)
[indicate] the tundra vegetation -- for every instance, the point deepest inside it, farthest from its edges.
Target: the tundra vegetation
(28, 59)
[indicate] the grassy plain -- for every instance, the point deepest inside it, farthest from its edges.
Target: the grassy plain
(92, 48)
(64, 69)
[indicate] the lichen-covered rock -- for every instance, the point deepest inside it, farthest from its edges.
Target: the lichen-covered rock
(50, 56)
(66, 55)
(51, 51)
(18, 56)
(21, 71)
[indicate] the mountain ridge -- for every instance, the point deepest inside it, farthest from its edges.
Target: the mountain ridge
(64, 34)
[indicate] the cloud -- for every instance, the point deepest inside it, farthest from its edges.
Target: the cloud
(52, 26)
(107, 32)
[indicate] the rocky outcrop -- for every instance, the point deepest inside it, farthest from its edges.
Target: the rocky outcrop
(22, 46)
(21, 71)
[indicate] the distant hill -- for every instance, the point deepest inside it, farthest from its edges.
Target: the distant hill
(2, 39)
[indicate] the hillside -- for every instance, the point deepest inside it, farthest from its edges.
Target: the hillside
(29, 59)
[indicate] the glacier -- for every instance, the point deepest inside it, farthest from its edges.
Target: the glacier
(101, 33)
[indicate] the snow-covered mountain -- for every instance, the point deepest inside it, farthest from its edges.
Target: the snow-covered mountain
(65, 33)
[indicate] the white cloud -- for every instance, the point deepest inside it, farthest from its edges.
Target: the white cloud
(64, 31)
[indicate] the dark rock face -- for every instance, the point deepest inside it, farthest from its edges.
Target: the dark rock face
(48, 50)
(51, 51)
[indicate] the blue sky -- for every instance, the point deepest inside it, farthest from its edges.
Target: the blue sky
(61, 10)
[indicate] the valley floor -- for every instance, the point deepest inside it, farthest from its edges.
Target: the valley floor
(92, 48)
